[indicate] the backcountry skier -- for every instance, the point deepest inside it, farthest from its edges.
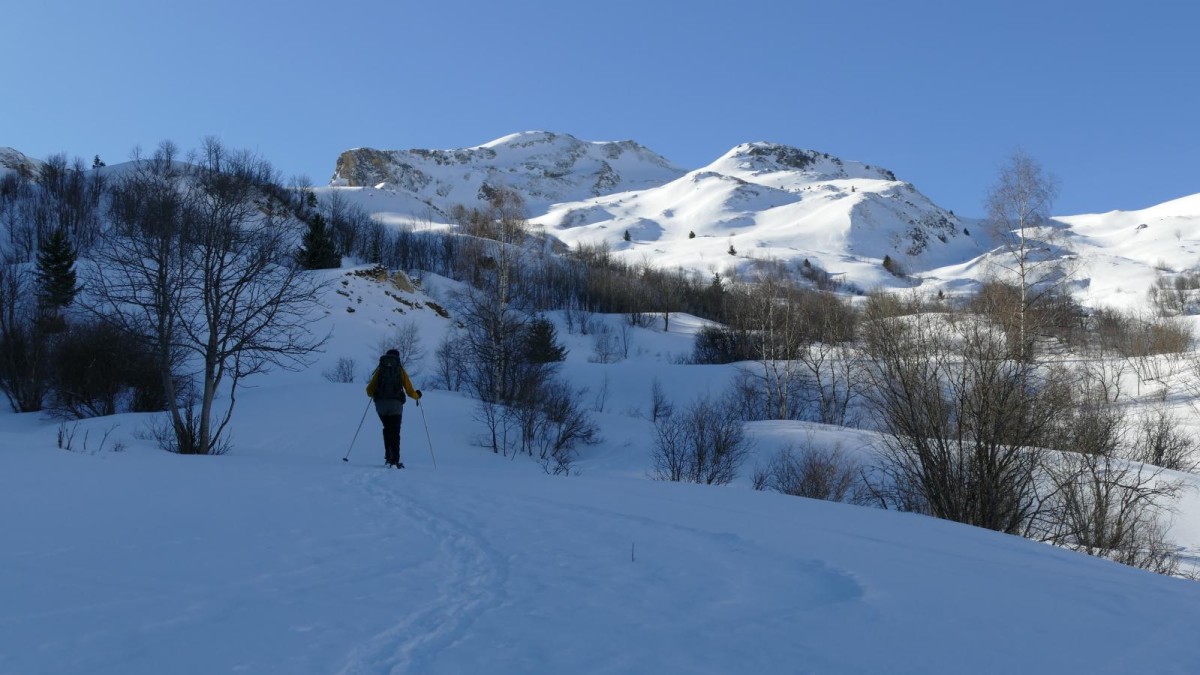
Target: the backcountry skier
(388, 384)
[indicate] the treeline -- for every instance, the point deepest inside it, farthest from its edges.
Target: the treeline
(1022, 427)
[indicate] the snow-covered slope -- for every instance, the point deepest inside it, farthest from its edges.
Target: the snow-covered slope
(1123, 252)
(280, 558)
(773, 202)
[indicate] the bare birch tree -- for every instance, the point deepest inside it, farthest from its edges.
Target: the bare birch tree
(1018, 207)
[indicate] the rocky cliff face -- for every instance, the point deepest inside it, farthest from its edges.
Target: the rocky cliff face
(17, 162)
(544, 167)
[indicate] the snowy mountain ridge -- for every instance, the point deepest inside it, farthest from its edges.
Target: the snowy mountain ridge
(758, 203)
(768, 201)
(764, 201)
(544, 167)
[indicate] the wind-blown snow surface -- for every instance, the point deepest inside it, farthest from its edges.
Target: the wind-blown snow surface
(280, 558)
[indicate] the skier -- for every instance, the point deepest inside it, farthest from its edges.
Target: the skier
(387, 386)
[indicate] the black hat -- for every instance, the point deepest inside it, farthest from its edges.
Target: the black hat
(393, 352)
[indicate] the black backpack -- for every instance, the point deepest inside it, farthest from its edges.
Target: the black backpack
(390, 384)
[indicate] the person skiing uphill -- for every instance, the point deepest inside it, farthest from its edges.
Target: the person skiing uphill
(388, 384)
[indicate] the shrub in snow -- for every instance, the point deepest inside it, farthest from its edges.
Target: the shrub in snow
(814, 472)
(342, 372)
(704, 443)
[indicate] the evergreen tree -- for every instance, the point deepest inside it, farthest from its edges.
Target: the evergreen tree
(541, 342)
(56, 272)
(318, 251)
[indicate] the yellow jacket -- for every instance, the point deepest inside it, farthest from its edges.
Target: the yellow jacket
(408, 385)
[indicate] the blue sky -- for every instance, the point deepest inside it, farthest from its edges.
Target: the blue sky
(1104, 94)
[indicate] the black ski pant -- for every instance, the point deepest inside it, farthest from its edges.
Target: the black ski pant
(391, 438)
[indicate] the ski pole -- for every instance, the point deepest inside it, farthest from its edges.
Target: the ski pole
(360, 423)
(427, 436)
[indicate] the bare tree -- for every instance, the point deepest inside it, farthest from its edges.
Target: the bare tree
(142, 272)
(558, 425)
(606, 348)
(1111, 507)
(198, 264)
(831, 364)
(963, 422)
(24, 348)
(344, 371)
(1162, 441)
(805, 367)
(771, 313)
(659, 405)
(1041, 450)
(451, 362)
(493, 310)
(1018, 207)
(406, 339)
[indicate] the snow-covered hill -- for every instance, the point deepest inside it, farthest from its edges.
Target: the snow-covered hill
(773, 202)
(1123, 252)
(544, 167)
(280, 558)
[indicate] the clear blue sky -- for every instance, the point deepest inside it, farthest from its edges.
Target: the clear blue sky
(1105, 94)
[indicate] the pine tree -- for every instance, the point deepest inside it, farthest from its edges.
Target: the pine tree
(541, 342)
(318, 251)
(56, 272)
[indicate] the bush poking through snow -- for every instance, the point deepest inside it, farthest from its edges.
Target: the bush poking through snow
(342, 372)
(814, 472)
(705, 443)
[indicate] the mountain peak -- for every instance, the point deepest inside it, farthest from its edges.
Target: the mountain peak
(544, 167)
(763, 157)
(531, 138)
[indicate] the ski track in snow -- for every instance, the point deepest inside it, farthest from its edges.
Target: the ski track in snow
(471, 582)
